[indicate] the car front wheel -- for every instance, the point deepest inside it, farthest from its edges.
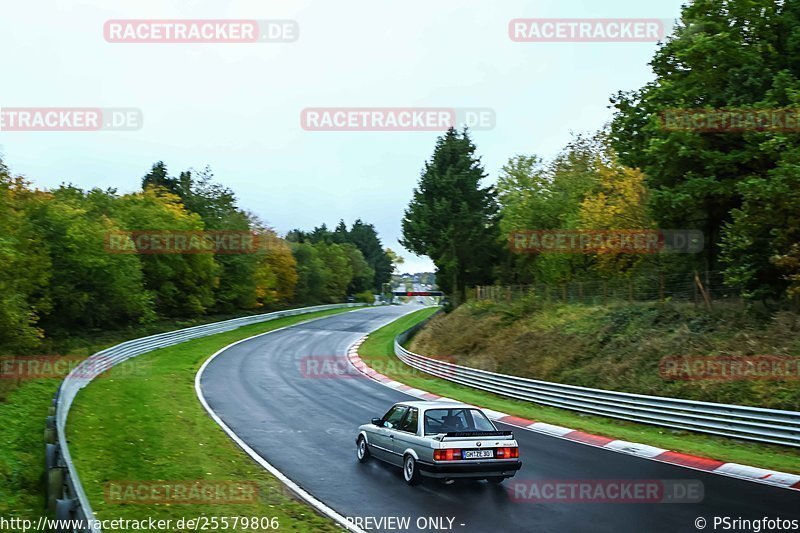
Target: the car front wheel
(361, 450)
(411, 471)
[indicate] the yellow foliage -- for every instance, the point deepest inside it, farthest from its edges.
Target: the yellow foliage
(619, 203)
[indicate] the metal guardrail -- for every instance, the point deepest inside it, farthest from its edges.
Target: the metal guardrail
(65, 494)
(737, 421)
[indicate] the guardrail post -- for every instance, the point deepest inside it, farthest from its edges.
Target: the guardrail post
(55, 477)
(50, 430)
(65, 511)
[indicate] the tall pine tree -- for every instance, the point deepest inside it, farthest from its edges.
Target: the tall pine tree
(452, 219)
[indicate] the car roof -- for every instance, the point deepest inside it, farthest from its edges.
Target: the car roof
(437, 404)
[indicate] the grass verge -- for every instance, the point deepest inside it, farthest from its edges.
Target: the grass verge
(22, 419)
(378, 352)
(144, 423)
(24, 405)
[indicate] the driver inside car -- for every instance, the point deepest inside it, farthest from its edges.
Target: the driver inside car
(451, 423)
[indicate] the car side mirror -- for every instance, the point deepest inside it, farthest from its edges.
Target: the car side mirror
(377, 422)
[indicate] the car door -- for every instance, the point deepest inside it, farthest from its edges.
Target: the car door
(405, 436)
(383, 436)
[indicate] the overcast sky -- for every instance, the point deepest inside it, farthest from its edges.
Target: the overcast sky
(236, 107)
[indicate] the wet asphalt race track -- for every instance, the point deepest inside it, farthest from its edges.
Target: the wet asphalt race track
(306, 426)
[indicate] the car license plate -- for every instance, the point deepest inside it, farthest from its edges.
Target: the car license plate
(478, 454)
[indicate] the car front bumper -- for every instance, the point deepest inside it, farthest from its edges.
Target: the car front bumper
(476, 469)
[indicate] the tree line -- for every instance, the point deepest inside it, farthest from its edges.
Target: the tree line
(740, 188)
(58, 275)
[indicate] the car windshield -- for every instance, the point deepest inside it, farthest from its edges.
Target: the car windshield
(456, 419)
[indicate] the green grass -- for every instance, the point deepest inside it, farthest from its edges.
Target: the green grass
(145, 423)
(24, 405)
(378, 352)
(22, 420)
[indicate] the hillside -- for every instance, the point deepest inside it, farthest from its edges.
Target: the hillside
(618, 347)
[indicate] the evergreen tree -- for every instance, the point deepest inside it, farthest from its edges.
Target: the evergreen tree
(452, 219)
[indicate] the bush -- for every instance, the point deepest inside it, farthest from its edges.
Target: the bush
(366, 296)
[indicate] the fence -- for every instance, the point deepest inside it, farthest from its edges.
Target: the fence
(741, 422)
(65, 495)
(700, 288)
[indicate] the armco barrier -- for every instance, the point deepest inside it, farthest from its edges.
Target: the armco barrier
(737, 421)
(65, 495)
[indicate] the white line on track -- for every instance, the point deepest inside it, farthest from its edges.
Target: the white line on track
(294, 487)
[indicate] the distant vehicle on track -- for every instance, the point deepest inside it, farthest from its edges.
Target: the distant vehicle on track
(444, 440)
